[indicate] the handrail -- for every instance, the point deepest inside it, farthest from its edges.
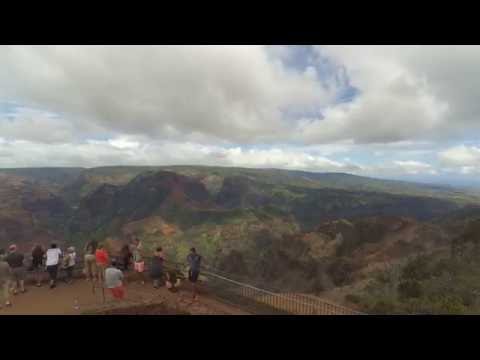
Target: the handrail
(315, 305)
(275, 301)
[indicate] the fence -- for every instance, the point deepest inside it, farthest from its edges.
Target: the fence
(262, 301)
(247, 297)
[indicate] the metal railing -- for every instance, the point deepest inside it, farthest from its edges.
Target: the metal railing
(261, 301)
(250, 298)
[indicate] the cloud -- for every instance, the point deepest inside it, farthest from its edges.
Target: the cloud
(244, 94)
(463, 159)
(415, 167)
(232, 93)
(126, 151)
(370, 110)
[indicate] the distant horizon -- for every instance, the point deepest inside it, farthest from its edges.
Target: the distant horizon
(385, 112)
(433, 182)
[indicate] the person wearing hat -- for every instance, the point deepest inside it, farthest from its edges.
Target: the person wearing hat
(15, 260)
(69, 264)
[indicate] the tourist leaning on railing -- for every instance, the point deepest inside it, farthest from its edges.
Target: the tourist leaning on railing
(38, 255)
(53, 260)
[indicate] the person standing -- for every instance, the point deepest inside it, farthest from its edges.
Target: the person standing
(38, 255)
(53, 259)
(156, 269)
(101, 257)
(5, 274)
(90, 260)
(70, 261)
(126, 255)
(114, 281)
(194, 260)
(15, 261)
(138, 262)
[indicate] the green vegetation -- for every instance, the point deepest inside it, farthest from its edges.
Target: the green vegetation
(273, 228)
(425, 285)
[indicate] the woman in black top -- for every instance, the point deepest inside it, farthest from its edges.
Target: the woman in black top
(126, 255)
(38, 255)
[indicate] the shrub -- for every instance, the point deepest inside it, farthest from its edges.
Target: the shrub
(410, 289)
(417, 269)
(384, 307)
(353, 298)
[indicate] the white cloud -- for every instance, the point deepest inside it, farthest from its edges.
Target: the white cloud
(233, 93)
(461, 156)
(415, 167)
(228, 105)
(124, 151)
(461, 159)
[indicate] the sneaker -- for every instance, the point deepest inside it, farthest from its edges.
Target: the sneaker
(8, 304)
(39, 285)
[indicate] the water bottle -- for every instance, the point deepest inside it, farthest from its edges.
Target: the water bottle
(75, 305)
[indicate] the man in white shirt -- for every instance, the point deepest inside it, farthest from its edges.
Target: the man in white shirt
(53, 259)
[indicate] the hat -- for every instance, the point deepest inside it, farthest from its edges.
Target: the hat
(12, 247)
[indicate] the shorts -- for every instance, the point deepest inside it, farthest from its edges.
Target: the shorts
(18, 274)
(139, 267)
(193, 275)
(52, 271)
(118, 292)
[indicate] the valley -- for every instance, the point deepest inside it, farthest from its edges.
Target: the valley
(348, 238)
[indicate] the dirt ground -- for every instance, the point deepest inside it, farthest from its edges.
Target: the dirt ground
(80, 298)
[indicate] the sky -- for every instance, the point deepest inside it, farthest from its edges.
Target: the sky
(399, 112)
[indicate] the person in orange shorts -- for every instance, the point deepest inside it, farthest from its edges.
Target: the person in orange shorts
(114, 281)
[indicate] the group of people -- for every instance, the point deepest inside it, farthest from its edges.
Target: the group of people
(97, 261)
(98, 266)
(13, 268)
